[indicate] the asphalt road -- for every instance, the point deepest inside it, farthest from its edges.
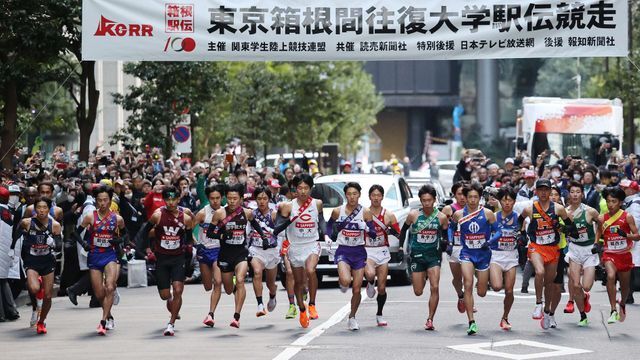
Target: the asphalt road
(141, 317)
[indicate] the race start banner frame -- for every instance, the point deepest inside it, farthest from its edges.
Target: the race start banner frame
(295, 30)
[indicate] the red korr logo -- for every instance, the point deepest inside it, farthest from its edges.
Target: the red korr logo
(111, 28)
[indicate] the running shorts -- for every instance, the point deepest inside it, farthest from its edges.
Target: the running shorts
(550, 253)
(506, 260)
(582, 255)
(98, 260)
(270, 258)
(622, 261)
(380, 255)
(230, 257)
(207, 256)
(43, 265)
(421, 261)
(299, 253)
(455, 254)
(480, 258)
(169, 268)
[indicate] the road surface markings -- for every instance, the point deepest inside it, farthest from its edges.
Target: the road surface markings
(487, 348)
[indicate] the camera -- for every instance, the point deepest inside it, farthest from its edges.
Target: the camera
(251, 161)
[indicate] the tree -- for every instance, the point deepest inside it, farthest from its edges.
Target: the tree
(32, 35)
(168, 89)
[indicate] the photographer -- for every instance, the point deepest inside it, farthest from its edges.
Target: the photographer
(471, 160)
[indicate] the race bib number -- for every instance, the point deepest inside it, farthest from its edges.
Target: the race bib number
(376, 241)
(545, 237)
(102, 241)
(620, 244)
(40, 250)
(583, 236)
(170, 244)
(427, 236)
(351, 237)
(236, 238)
(474, 241)
(508, 240)
(305, 229)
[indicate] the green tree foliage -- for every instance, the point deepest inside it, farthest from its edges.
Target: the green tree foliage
(167, 90)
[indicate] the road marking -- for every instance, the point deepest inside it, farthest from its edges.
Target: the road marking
(305, 339)
(480, 348)
(501, 294)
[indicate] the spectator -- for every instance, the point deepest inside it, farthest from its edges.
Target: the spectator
(527, 191)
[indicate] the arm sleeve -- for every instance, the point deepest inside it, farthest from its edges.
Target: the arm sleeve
(78, 238)
(451, 230)
(281, 224)
(57, 240)
(142, 237)
(371, 229)
(331, 227)
(403, 234)
(256, 226)
(394, 229)
(200, 185)
(18, 231)
(188, 237)
(321, 226)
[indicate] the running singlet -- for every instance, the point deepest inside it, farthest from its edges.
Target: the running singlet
(304, 229)
(509, 227)
(474, 232)
(351, 233)
(614, 243)
(170, 233)
(456, 233)
(35, 241)
(102, 231)
(267, 224)
(586, 235)
(424, 233)
(235, 231)
(542, 232)
(203, 239)
(381, 239)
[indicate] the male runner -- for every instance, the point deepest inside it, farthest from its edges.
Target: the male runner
(208, 250)
(41, 235)
(105, 232)
(347, 226)
(173, 238)
(453, 250)
(428, 228)
(377, 247)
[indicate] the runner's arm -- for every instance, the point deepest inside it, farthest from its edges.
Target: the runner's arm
(321, 226)
(17, 233)
(281, 224)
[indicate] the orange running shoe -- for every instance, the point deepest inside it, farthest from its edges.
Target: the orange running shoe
(41, 328)
(313, 313)
(304, 319)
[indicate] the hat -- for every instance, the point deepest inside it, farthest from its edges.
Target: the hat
(312, 162)
(119, 182)
(14, 189)
(543, 183)
(347, 163)
(274, 183)
(394, 161)
(107, 182)
(529, 174)
(626, 183)
(509, 161)
(4, 192)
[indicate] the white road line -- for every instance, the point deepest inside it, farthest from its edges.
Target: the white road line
(491, 349)
(305, 339)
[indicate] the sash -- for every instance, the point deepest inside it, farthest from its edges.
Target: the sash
(302, 208)
(349, 218)
(470, 216)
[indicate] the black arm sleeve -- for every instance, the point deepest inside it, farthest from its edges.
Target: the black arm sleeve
(188, 236)
(403, 233)
(57, 239)
(281, 224)
(321, 226)
(18, 231)
(78, 238)
(256, 226)
(142, 237)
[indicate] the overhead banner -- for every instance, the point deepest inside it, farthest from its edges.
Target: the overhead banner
(295, 30)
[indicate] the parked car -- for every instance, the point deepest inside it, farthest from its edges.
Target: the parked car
(397, 198)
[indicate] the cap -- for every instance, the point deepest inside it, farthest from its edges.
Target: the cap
(14, 188)
(509, 161)
(358, 161)
(543, 183)
(4, 192)
(119, 182)
(347, 163)
(394, 161)
(107, 182)
(529, 174)
(312, 162)
(626, 183)
(274, 183)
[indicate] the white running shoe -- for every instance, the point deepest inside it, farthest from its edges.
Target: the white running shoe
(353, 324)
(381, 321)
(169, 331)
(34, 318)
(552, 322)
(371, 290)
(261, 311)
(111, 324)
(116, 297)
(271, 305)
(343, 289)
(545, 323)
(537, 312)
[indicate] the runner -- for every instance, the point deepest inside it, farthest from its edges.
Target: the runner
(229, 224)
(377, 247)
(347, 226)
(304, 214)
(292, 312)
(428, 228)
(619, 231)
(582, 261)
(265, 254)
(208, 250)
(504, 253)
(558, 281)
(453, 250)
(105, 232)
(41, 236)
(544, 233)
(173, 238)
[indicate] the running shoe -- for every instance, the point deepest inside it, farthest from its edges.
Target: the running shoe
(304, 319)
(537, 312)
(73, 297)
(169, 331)
(381, 321)
(371, 290)
(261, 311)
(622, 312)
(353, 324)
(343, 289)
(504, 325)
(475, 310)
(570, 308)
(101, 330)
(587, 303)
(111, 323)
(613, 318)
(34, 318)
(235, 324)
(41, 328)
(552, 322)
(429, 325)
(208, 321)
(271, 305)
(473, 329)
(313, 313)
(583, 323)
(116, 297)
(292, 312)
(461, 305)
(545, 322)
